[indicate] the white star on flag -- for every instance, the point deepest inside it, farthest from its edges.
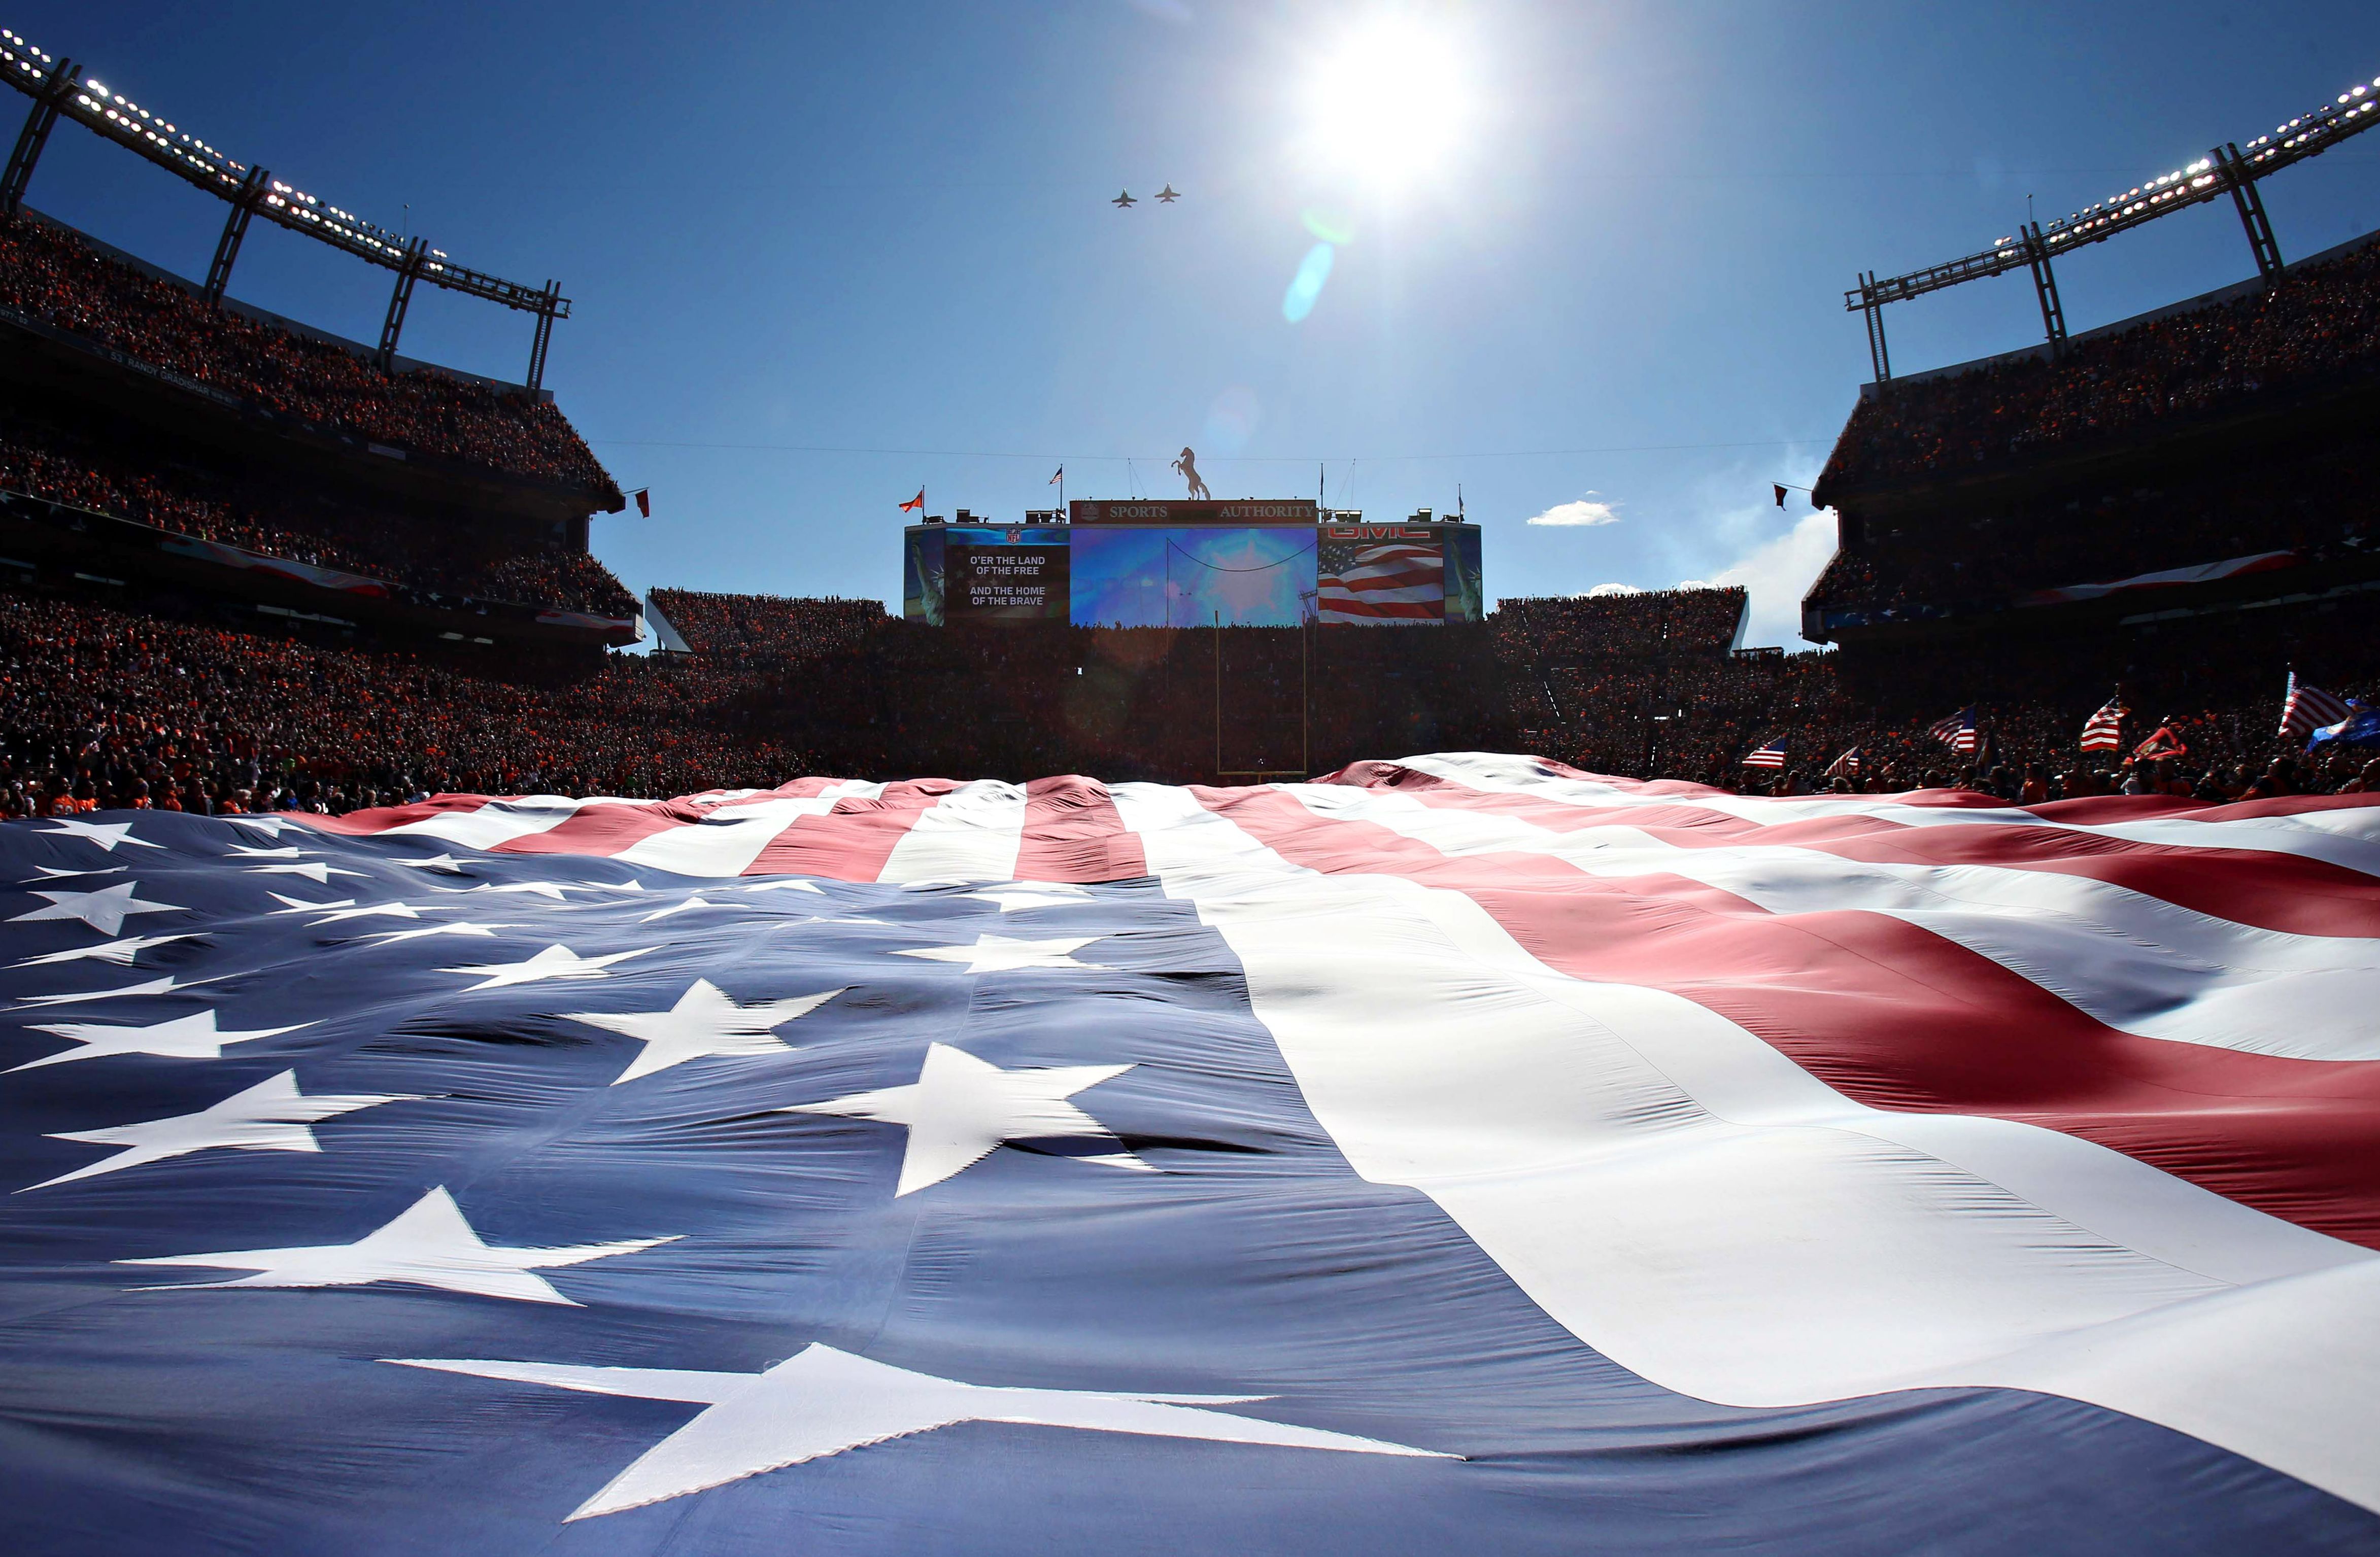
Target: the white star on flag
(390, 937)
(704, 1021)
(313, 870)
(348, 910)
(430, 1244)
(107, 835)
(692, 903)
(997, 954)
(794, 885)
(52, 873)
(104, 910)
(249, 851)
(300, 905)
(553, 962)
(961, 1108)
(822, 1402)
(444, 863)
(1035, 895)
(165, 986)
(122, 951)
(271, 1115)
(557, 890)
(272, 826)
(190, 1037)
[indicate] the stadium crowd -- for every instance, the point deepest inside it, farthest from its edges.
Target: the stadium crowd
(103, 709)
(306, 522)
(164, 707)
(50, 275)
(2319, 328)
(1988, 559)
(758, 629)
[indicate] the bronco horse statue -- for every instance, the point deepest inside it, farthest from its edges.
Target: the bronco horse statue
(1188, 466)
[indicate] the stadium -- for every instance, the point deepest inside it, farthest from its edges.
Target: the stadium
(1565, 1066)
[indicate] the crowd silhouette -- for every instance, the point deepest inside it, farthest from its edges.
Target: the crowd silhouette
(2317, 330)
(48, 275)
(157, 705)
(187, 492)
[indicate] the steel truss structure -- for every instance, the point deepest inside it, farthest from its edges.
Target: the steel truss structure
(59, 89)
(2229, 169)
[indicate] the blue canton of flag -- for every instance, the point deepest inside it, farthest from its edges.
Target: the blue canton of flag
(780, 1172)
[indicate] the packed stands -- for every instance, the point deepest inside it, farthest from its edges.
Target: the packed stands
(184, 489)
(762, 630)
(1995, 556)
(1640, 621)
(51, 277)
(2317, 333)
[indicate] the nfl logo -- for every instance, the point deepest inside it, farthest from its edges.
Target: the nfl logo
(1015, 536)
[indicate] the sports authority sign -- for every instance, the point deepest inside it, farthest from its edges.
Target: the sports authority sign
(1166, 510)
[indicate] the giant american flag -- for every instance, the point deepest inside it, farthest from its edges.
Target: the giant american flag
(1457, 1155)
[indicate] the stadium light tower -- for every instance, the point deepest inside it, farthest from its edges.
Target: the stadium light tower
(2230, 169)
(58, 90)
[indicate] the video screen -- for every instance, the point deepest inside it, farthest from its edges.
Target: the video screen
(1185, 578)
(1004, 573)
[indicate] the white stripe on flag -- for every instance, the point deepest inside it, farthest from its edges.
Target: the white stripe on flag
(971, 834)
(499, 821)
(731, 837)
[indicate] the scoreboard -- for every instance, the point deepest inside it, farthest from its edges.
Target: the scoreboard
(1159, 563)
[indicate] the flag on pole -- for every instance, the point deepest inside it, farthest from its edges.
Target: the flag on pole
(2163, 743)
(2306, 709)
(914, 503)
(2100, 731)
(1770, 755)
(1056, 476)
(1957, 731)
(644, 502)
(1780, 491)
(1845, 767)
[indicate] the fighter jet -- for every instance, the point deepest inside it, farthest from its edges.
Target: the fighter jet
(1123, 199)
(1168, 195)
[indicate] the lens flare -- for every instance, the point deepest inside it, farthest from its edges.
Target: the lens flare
(1391, 102)
(1306, 287)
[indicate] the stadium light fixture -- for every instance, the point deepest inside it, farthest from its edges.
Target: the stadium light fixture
(2232, 169)
(57, 94)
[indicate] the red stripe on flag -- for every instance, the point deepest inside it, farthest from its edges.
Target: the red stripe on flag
(851, 842)
(1072, 832)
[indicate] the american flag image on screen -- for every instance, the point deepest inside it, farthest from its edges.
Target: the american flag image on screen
(1380, 583)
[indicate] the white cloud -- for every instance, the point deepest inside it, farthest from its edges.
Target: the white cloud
(1699, 583)
(1779, 573)
(1602, 589)
(1585, 511)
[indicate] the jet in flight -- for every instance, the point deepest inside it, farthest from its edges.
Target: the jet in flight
(1123, 199)
(1168, 195)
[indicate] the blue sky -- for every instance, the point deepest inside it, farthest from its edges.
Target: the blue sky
(823, 254)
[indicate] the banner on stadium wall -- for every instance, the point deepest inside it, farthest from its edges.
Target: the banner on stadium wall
(1165, 511)
(1015, 573)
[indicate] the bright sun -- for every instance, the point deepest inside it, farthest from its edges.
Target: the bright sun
(1387, 103)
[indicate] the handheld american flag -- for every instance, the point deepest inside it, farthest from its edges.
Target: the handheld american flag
(1437, 1157)
(1770, 755)
(1957, 731)
(1845, 767)
(2103, 731)
(2306, 709)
